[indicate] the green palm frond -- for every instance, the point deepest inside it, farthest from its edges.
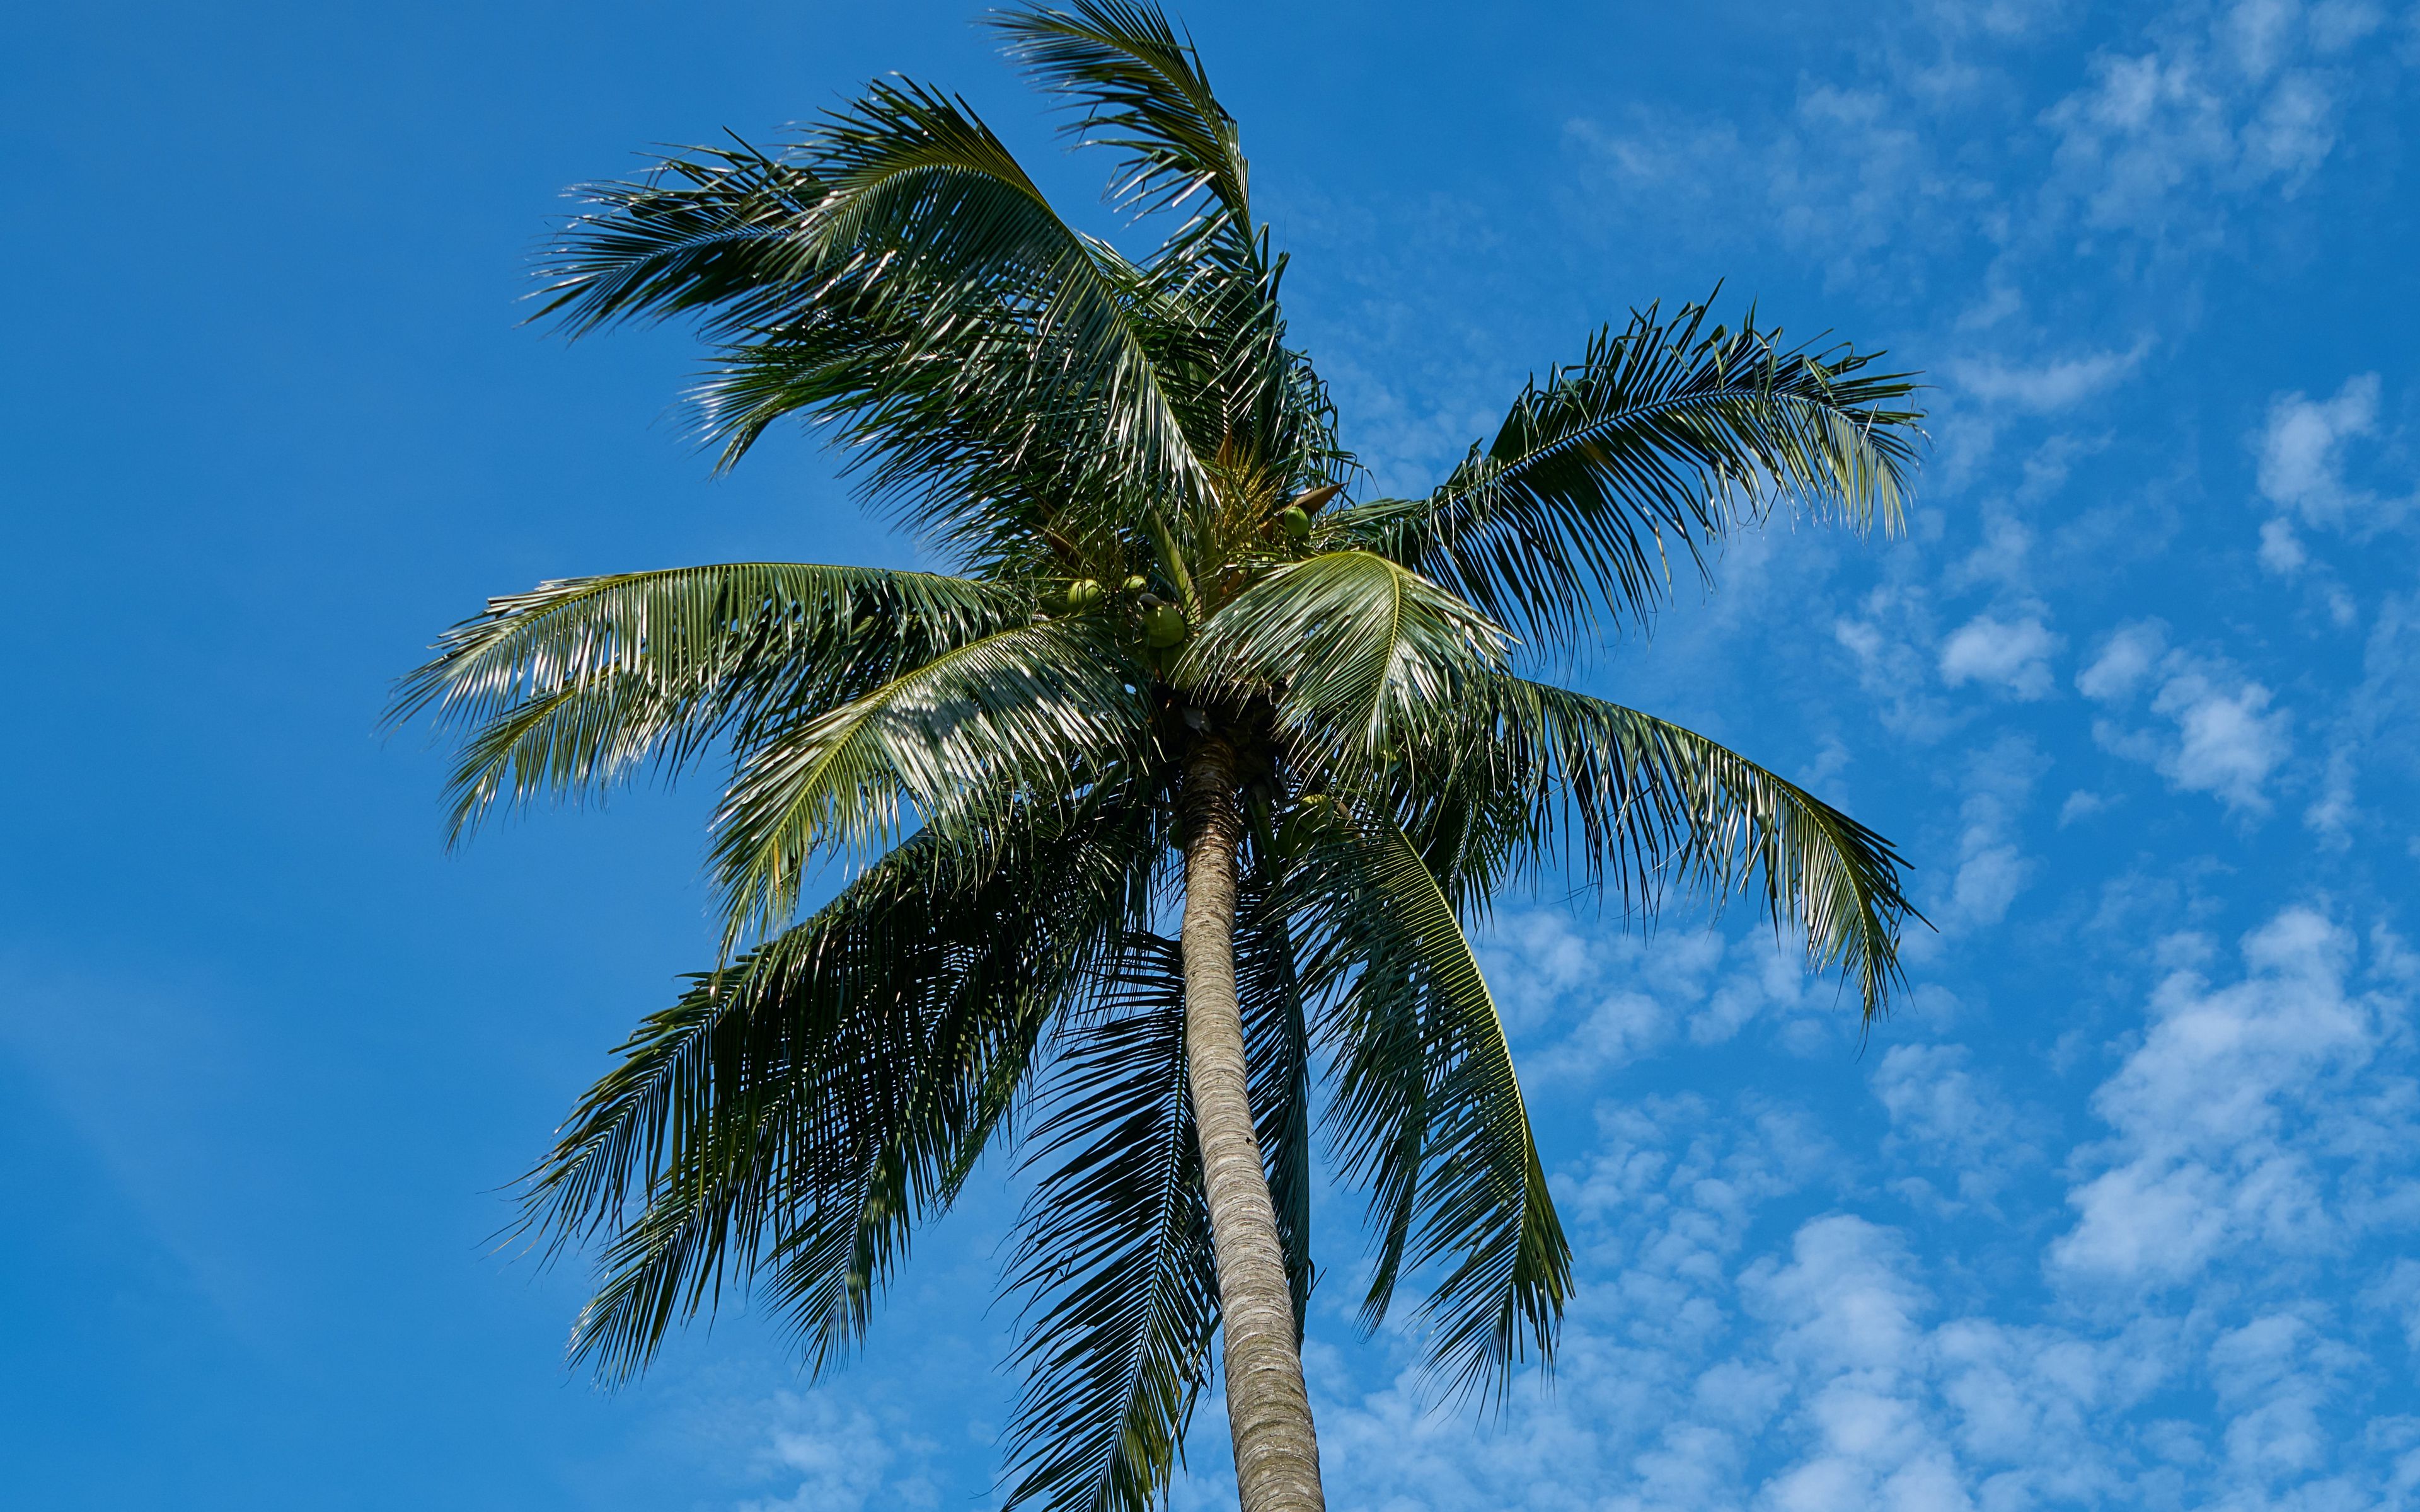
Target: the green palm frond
(805, 1106)
(716, 231)
(1640, 802)
(1142, 93)
(1661, 439)
(1041, 709)
(1115, 1261)
(1356, 652)
(580, 682)
(1428, 1112)
(917, 289)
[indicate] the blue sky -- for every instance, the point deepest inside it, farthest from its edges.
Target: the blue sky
(2118, 1210)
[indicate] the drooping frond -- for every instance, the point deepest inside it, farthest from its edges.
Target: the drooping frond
(1040, 710)
(578, 683)
(1115, 1261)
(1642, 803)
(1428, 1113)
(799, 1110)
(1660, 440)
(1356, 652)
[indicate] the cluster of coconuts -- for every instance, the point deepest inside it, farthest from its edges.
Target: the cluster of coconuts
(1163, 623)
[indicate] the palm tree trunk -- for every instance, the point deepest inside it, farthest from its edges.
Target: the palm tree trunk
(1277, 1459)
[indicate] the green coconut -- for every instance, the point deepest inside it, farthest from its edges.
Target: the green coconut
(1163, 626)
(1294, 521)
(1084, 593)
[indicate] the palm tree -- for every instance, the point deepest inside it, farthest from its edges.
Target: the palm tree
(1182, 673)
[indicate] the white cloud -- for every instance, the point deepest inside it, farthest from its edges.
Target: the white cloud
(2281, 550)
(2292, 134)
(2156, 140)
(1888, 637)
(2081, 803)
(1944, 1113)
(2137, 132)
(2005, 546)
(2013, 654)
(2256, 32)
(2224, 1116)
(1992, 869)
(2126, 659)
(2379, 723)
(2302, 447)
(842, 1459)
(2226, 740)
(2397, 1294)
(2045, 387)
(1584, 995)
(2330, 815)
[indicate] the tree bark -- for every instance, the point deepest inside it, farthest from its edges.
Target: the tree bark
(1269, 1412)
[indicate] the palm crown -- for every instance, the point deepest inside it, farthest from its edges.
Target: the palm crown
(1180, 672)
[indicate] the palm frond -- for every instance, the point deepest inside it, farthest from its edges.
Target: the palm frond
(1115, 1261)
(1428, 1113)
(1142, 92)
(1640, 803)
(583, 682)
(1041, 709)
(720, 232)
(1356, 652)
(897, 272)
(804, 1108)
(1661, 439)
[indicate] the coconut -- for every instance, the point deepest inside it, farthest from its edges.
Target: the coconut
(1163, 626)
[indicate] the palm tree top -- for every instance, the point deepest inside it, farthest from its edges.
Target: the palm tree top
(1178, 653)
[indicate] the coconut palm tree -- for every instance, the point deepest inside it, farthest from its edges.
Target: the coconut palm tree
(1158, 818)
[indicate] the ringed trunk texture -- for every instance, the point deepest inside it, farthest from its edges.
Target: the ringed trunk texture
(1277, 1459)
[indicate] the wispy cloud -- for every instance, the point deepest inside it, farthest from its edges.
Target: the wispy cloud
(1752, 1333)
(2046, 386)
(2222, 738)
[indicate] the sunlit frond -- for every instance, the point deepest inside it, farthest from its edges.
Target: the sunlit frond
(1042, 709)
(718, 231)
(1660, 440)
(899, 275)
(578, 683)
(1357, 653)
(1141, 92)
